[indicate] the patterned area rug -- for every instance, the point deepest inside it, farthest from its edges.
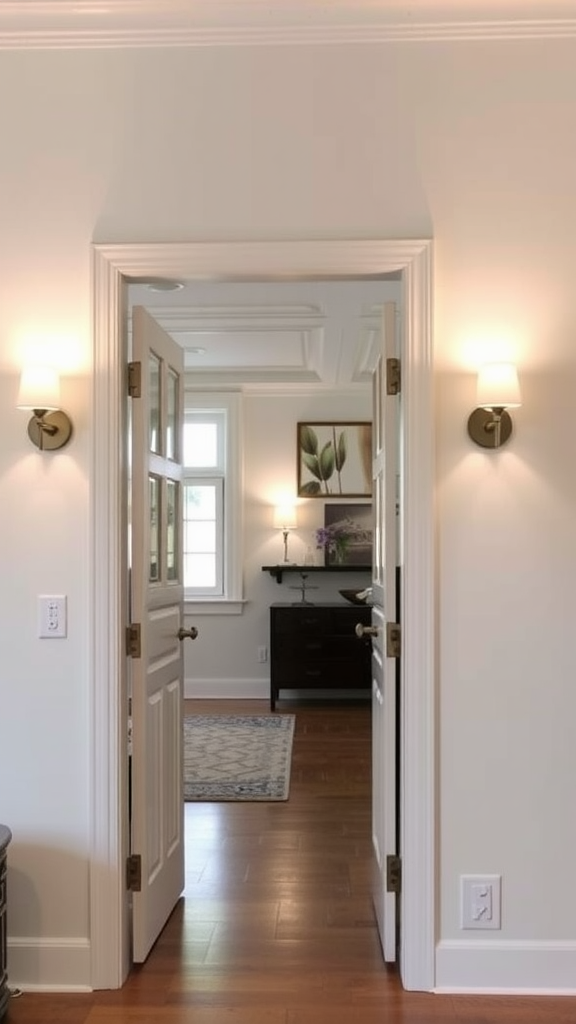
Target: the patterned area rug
(237, 757)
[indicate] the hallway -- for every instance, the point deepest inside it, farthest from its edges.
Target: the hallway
(277, 924)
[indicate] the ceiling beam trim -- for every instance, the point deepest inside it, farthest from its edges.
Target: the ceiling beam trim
(78, 24)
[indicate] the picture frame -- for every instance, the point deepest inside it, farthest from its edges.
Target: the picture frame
(353, 524)
(334, 459)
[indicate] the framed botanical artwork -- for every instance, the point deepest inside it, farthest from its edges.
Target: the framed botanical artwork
(347, 535)
(334, 459)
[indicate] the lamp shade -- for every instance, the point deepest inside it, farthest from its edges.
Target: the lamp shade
(498, 386)
(285, 517)
(39, 388)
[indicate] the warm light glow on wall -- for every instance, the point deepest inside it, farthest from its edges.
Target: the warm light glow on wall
(492, 347)
(63, 350)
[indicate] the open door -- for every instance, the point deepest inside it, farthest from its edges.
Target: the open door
(157, 808)
(385, 654)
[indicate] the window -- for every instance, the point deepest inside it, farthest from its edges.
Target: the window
(212, 498)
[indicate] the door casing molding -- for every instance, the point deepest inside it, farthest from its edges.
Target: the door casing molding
(112, 266)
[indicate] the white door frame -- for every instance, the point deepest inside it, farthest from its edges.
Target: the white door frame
(111, 265)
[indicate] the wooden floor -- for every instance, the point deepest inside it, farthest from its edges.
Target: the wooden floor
(276, 926)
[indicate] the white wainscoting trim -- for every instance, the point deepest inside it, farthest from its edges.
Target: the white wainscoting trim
(42, 965)
(506, 967)
(225, 689)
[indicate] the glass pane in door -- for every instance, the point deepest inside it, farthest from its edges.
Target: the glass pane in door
(154, 499)
(154, 438)
(172, 445)
(172, 529)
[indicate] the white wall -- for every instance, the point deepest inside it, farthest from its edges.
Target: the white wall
(222, 661)
(468, 142)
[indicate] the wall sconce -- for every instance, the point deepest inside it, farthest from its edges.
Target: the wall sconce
(490, 425)
(285, 520)
(49, 427)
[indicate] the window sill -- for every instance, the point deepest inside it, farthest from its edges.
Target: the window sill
(219, 606)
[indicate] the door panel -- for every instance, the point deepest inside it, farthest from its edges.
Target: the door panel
(157, 825)
(384, 668)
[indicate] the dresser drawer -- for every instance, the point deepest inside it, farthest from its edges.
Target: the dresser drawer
(342, 673)
(307, 648)
(321, 620)
(316, 647)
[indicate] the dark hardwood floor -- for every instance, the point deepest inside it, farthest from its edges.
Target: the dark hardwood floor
(276, 925)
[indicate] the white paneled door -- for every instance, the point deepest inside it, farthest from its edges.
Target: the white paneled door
(385, 666)
(157, 809)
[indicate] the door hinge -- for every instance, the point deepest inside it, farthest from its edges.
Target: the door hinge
(134, 872)
(392, 376)
(393, 873)
(135, 380)
(393, 640)
(133, 640)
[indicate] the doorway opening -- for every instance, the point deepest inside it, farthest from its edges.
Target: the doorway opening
(282, 352)
(113, 267)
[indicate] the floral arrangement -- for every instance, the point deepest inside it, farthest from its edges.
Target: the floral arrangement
(334, 540)
(348, 536)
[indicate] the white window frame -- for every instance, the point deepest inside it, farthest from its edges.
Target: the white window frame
(202, 478)
(230, 403)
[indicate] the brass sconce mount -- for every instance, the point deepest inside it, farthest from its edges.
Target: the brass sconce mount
(490, 428)
(49, 430)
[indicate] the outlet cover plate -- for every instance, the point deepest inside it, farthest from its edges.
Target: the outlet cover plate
(52, 616)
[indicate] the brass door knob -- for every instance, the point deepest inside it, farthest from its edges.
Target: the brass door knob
(362, 631)
(187, 634)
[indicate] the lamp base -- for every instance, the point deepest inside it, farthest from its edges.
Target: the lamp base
(56, 436)
(486, 431)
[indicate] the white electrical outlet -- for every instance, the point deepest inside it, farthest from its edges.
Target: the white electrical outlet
(51, 616)
(262, 654)
(480, 897)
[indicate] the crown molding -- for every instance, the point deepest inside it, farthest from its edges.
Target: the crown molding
(102, 24)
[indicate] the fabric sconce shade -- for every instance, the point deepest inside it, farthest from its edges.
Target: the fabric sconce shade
(39, 389)
(498, 387)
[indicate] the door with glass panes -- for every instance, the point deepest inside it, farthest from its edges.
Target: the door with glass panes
(156, 594)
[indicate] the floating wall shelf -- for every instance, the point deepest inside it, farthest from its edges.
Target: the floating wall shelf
(276, 571)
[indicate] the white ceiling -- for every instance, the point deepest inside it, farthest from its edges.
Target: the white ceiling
(307, 333)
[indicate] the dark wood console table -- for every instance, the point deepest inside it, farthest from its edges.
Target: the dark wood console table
(5, 837)
(315, 647)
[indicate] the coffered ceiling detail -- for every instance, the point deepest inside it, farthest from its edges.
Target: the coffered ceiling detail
(275, 337)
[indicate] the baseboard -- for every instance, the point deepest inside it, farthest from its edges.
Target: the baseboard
(259, 689)
(49, 965)
(506, 967)
(221, 689)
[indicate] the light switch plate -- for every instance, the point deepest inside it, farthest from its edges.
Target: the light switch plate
(480, 897)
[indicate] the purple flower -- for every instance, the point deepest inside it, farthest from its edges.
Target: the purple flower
(324, 537)
(331, 536)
